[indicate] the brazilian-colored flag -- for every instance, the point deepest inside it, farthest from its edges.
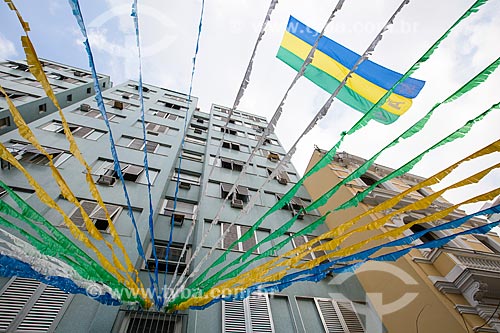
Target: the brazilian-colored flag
(331, 64)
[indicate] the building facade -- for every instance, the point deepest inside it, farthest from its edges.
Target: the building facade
(439, 290)
(204, 178)
(70, 85)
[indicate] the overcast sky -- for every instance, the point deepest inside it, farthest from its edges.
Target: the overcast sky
(230, 28)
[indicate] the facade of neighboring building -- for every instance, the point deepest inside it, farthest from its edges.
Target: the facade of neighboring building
(70, 85)
(204, 179)
(437, 290)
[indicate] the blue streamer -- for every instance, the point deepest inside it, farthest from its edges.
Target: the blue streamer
(319, 272)
(10, 267)
(75, 6)
(182, 148)
(135, 16)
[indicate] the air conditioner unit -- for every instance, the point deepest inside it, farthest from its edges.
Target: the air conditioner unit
(118, 105)
(106, 180)
(85, 107)
(273, 157)
(300, 213)
(185, 185)
(198, 131)
(126, 96)
(237, 203)
(282, 181)
(79, 74)
(178, 219)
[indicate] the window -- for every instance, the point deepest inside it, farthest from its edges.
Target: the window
(171, 105)
(119, 105)
(138, 144)
(148, 321)
(296, 206)
(300, 240)
(177, 98)
(25, 152)
(183, 210)
(4, 122)
(69, 98)
(175, 256)
(233, 233)
(23, 302)
(77, 130)
(195, 140)
(281, 177)
(186, 178)
(230, 145)
(241, 197)
(427, 237)
(192, 156)
(144, 88)
(135, 173)
(42, 108)
(155, 129)
(89, 90)
(231, 164)
(87, 111)
(16, 95)
(338, 316)
(162, 114)
(252, 314)
(489, 243)
(96, 214)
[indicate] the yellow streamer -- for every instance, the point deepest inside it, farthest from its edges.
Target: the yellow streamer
(259, 274)
(36, 69)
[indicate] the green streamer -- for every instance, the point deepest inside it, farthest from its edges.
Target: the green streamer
(458, 134)
(60, 243)
(415, 128)
(329, 156)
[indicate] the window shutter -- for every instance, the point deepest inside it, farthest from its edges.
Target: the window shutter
(260, 313)
(329, 316)
(233, 317)
(246, 245)
(252, 314)
(30, 306)
(88, 206)
(14, 299)
(338, 316)
(231, 236)
(45, 310)
(350, 316)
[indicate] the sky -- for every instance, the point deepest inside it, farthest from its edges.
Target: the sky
(229, 32)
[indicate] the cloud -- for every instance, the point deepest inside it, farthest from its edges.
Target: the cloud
(7, 49)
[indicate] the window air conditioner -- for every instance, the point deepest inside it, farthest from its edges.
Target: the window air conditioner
(237, 203)
(185, 185)
(85, 107)
(106, 180)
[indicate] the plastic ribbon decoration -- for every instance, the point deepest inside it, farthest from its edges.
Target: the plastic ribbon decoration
(177, 183)
(294, 256)
(75, 231)
(236, 285)
(36, 69)
(15, 248)
(285, 160)
(75, 6)
(327, 158)
(419, 125)
(135, 16)
(321, 272)
(239, 96)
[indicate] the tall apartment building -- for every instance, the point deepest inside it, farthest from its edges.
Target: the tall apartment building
(437, 290)
(29, 305)
(70, 85)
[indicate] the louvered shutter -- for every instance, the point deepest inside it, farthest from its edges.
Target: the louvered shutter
(251, 315)
(298, 241)
(246, 245)
(260, 313)
(350, 317)
(45, 310)
(88, 207)
(27, 305)
(230, 237)
(14, 299)
(338, 316)
(233, 317)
